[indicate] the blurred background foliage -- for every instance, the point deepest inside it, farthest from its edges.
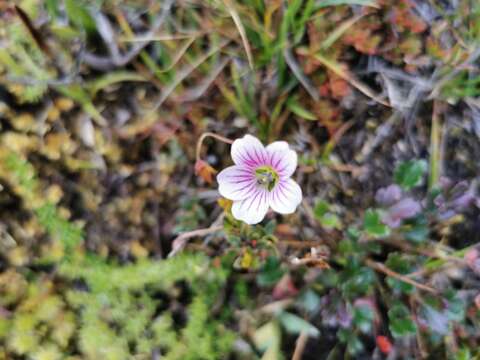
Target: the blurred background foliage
(101, 104)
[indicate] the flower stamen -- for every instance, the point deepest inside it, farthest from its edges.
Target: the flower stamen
(267, 177)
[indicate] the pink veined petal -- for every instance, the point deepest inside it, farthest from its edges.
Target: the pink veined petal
(253, 209)
(282, 158)
(286, 196)
(236, 182)
(249, 151)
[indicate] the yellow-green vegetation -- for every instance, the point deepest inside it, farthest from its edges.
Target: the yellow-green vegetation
(97, 308)
(113, 313)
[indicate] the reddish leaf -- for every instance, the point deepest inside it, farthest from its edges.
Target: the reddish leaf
(384, 344)
(205, 171)
(285, 288)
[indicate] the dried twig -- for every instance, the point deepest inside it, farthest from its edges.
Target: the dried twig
(382, 132)
(383, 269)
(298, 72)
(241, 29)
(428, 252)
(334, 67)
(184, 73)
(199, 90)
(300, 346)
(181, 240)
(107, 63)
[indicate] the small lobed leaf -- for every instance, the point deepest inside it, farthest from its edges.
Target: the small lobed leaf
(409, 174)
(401, 322)
(373, 224)
(271, 272)
(363, 316)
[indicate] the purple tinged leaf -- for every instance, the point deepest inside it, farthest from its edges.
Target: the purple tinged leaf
(477, 201)
(444, 215)
(439, 201)
(404, 209)
(344, 317)
(334, 312)
(463, 201)
(389, 195)
(455, 198)
(435, 320)
(472, 258)
(445, 183)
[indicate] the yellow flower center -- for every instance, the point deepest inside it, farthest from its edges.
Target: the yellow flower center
(266, 177)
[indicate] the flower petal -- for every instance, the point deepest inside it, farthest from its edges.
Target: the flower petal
(282, 158)
(253, 209)
(248, 151)
(286, 196)
(236, 182)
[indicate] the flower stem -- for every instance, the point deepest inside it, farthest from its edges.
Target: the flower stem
(210, 134)
(435, 147)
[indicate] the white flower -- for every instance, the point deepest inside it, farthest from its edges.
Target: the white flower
(260, 179)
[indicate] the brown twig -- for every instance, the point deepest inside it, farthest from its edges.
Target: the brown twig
(345, 75)
(429, 252)
(181, 240)
(300, 346)
(37, 37)
(209, 134)
(423, 353)
(383, 269)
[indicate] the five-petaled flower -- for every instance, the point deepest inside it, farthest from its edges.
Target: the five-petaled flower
(260, 179)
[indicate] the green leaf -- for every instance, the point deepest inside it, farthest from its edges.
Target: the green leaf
(354, 344)
(295, 325)
(321, 208)
(373, 225)
(270, 272)
(111, 78)
(417, 232)
(455, 306)
(310, 301)
(401, 322)
(79, 94)
(299, 110)
(363, 318)
(330, 221)
(356, 281)
(269, 228)
(325, 218)
(79, 15)
(463, 354)
(410, 173)
(268, 338)
(400, 265)
(52, 8)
